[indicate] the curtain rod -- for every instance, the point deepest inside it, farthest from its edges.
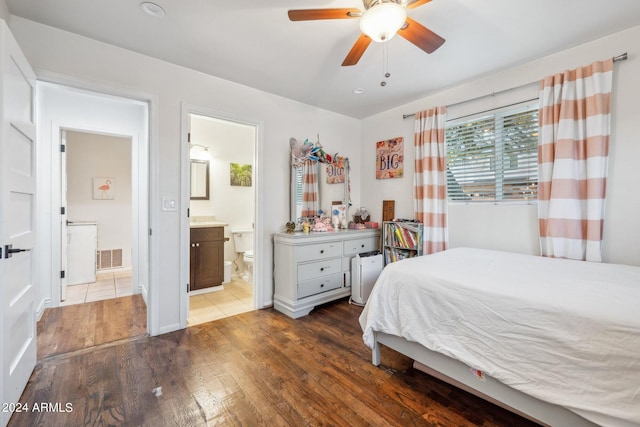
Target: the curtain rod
(621, 57)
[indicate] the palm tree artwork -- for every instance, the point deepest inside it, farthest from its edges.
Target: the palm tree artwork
(240, 175)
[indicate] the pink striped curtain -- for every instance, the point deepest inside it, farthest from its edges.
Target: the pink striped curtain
(572, 161)
(310, 192)
(430, 180)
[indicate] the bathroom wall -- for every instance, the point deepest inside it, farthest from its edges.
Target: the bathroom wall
(228, 142)
(92, 155)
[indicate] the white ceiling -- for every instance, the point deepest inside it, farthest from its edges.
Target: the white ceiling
(252, 42)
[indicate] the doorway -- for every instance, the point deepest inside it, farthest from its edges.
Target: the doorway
(227, 148)
(96, 190)
(90, 124)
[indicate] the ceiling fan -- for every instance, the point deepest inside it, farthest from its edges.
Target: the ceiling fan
(379, 22)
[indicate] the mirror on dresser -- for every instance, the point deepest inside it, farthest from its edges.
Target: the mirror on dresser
(318, 180)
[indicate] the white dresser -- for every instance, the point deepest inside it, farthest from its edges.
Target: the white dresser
(312, 269)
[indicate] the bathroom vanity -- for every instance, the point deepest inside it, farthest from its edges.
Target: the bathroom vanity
(312, 269)
(207, 256)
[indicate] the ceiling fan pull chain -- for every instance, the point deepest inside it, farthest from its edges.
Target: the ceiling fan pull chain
(385, 64)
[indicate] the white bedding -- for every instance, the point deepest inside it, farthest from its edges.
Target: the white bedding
(566, 332)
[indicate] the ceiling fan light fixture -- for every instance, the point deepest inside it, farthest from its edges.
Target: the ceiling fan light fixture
(382, 21)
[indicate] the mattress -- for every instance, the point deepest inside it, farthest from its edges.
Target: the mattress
(566, 332)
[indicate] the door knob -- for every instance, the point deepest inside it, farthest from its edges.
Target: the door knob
(9, 250)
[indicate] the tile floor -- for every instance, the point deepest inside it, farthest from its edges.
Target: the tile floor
(108, 284)
(235, 298)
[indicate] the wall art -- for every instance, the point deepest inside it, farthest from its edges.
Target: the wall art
(240, 175)
(335, 174)
(390, 158)
(103, 188)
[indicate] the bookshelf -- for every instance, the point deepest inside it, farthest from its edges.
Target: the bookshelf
(400, 240)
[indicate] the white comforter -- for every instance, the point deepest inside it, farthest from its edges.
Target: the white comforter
(567, 332)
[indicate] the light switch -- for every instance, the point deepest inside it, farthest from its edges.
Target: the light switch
(169, 205)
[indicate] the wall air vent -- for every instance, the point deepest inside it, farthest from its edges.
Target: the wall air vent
(108, 258)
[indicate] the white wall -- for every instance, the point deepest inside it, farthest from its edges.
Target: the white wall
(56, 54)
(4, 11)
(514, 227)
(91, 156)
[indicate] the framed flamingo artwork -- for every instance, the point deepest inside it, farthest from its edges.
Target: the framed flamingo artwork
(103, 188)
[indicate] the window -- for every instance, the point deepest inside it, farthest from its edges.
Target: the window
(493, 157)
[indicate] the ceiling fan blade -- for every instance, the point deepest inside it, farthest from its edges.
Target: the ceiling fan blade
(315, 14)
(356, 51)
(412, 4)
(421, 36)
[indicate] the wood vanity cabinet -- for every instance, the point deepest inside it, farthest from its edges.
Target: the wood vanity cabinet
(207, 257)
(312, 269)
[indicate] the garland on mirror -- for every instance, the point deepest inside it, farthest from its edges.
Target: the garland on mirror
(307, 150)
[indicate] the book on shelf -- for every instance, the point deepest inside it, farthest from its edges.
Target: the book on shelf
(409, 238)
(397, 254)
(400, 241)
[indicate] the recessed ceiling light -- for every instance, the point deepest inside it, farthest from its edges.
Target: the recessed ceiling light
(358, 91)
(152, 9)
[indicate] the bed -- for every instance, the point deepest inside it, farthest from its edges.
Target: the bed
(557, 341)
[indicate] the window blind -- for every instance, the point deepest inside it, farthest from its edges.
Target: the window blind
(298, 191)
(493, 157)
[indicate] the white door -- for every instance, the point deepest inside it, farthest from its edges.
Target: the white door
(17, 220)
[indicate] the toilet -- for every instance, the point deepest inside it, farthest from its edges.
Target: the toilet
(243, 240)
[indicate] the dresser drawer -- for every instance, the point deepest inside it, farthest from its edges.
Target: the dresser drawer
(311, 270)
(356, 246)
(207, 234)
(318, 251)
(319, 285)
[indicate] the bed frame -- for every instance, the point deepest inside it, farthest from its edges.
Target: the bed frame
(460, 375)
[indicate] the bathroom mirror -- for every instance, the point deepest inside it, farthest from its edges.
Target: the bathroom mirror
(199, 179)
(327, 193)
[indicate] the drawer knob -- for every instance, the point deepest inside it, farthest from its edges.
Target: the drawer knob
(322, 285)
(322, 251)
(362, 246)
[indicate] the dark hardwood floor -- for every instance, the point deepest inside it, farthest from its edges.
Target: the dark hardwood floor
(256, 368)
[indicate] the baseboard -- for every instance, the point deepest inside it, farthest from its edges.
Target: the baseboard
(44, 304)
(142, 290)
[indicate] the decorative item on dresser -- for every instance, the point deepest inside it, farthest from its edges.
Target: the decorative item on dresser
(401, 239)
(306, 198)
(388, 210)
(312, 269)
